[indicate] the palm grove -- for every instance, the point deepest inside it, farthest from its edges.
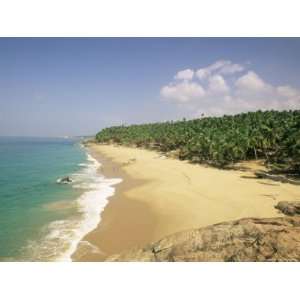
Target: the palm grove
(221, 141)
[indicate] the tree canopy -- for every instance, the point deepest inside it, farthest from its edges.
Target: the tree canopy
(220, 141)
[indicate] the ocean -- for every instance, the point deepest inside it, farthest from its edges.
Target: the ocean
(40, 219)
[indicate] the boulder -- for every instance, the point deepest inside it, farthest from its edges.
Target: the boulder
(289, 208)
(65, 180)
(275, 177)
(250, 239)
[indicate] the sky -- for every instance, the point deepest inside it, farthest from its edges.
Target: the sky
(77, 86)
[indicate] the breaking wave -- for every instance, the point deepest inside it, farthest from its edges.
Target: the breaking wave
(61, 238)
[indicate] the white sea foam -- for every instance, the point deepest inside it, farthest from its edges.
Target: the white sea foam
(91, 203)
(62, 237)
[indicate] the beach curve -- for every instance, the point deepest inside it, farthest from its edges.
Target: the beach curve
(160, 196)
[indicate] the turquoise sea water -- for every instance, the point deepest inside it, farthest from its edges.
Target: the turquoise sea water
(29, 168)
(41, 220)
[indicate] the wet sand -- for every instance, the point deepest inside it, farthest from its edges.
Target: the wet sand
(161, 196)
(125, 222)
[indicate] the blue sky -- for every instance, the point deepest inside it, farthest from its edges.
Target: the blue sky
(57, 86)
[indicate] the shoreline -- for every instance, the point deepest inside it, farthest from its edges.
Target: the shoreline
(67, 233)
(112, 222)
(159, 196)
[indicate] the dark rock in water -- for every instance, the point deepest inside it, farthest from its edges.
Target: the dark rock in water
(65, 180)
(251, 239)
(289, 208)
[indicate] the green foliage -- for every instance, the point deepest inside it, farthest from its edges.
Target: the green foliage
(271, 135)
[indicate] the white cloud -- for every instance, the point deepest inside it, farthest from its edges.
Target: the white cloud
(227, 88)
(217, 85)
(251, 82)
(231, 68)
(183, 91)
(287, 91)
(186, 74)
(202, 73)
(220, 67)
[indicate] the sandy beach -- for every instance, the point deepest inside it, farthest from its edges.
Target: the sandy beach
(160, 196)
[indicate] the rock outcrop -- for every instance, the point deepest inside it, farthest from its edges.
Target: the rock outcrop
(276, 177)
(250, 239)
(289, 208)
(65, 180)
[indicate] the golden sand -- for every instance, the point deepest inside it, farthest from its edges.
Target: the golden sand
(161, 196)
